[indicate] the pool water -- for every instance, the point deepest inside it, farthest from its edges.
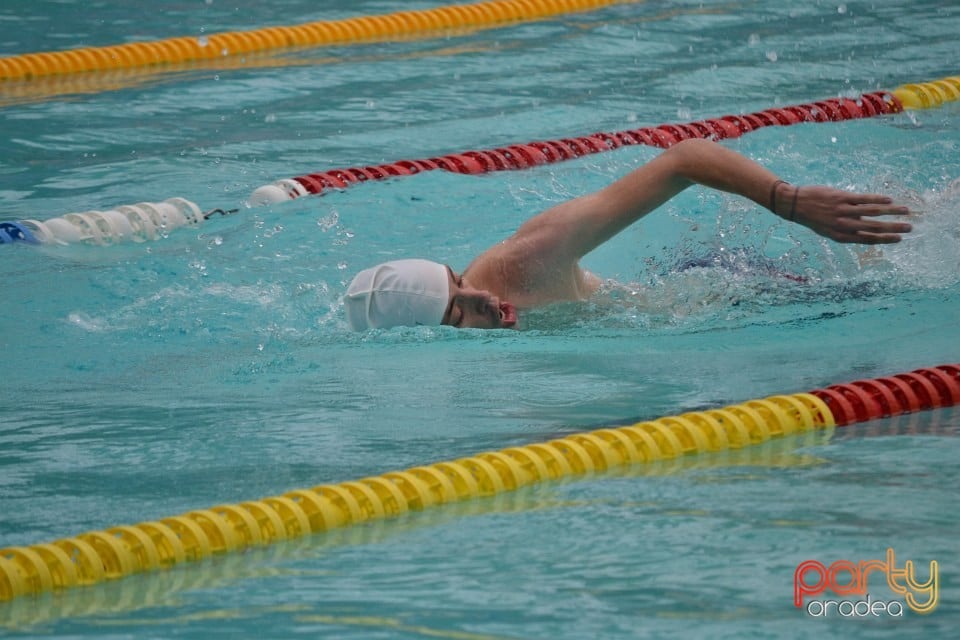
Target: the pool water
(215, 365)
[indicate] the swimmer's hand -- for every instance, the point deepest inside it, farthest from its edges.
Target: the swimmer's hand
(845, 217)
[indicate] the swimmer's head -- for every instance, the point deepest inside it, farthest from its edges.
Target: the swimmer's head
(398, 293)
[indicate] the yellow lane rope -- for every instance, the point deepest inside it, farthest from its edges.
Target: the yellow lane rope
(312, 34)
(926, 95)
(119, 551)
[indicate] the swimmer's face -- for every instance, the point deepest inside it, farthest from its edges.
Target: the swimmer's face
(476, 308)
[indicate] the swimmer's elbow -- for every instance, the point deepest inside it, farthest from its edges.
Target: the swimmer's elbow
(695, 146)
(686, 158)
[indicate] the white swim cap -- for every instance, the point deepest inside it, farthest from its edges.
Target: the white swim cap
(398, 293)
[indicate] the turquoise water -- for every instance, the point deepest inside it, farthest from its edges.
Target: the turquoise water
(215, 365)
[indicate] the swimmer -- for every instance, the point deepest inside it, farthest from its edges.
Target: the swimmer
(539, 263)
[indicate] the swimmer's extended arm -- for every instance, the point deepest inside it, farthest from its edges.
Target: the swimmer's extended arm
(577, 227)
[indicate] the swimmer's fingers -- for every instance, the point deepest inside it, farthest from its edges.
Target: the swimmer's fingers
(867, 204)
(870, 225)
(849, 217)
(865, 237)
(865, 198)
(867, 230)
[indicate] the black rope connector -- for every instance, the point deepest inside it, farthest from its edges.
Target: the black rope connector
(222, 212)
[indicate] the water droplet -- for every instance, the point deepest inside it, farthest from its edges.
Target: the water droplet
(833, 139)
(753, 40)
(203, 41)
(270, 118)
(329, 222)
(772, 56)
(341, 265)
(842, 9)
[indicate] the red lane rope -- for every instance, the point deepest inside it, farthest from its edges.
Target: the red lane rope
(920, 390)
(522, 156)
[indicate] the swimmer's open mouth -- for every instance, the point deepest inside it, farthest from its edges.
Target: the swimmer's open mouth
(508, 315)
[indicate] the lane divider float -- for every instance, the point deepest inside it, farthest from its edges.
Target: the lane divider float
(119, 551)
(148, 221)
(137, 223)
(312, 34)
(522, 156)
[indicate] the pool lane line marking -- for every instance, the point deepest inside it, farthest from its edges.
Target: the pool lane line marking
(149, 221)
(119, 551)
(402, 24)
(922, 95)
